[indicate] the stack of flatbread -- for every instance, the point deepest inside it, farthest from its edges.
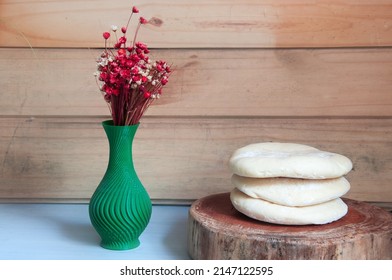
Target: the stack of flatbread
(288, 183)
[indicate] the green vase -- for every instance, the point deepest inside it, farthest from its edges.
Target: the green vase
(120, 207)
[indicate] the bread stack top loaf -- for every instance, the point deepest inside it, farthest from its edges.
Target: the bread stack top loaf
(267, 160)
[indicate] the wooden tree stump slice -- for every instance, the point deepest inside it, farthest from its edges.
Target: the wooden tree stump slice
(217, 230)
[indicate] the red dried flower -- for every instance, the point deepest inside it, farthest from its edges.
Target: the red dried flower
(160, 68)
(106, 35)
(136, 78)
(122, 52)
(142, 20)
(126, 74)
(135, 10)
(141, 45)
(135, 71)
(134, 58)
(122, 40)
(103, 76)
(164, 80)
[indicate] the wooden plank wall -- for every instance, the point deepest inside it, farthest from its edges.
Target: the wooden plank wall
(312, 72)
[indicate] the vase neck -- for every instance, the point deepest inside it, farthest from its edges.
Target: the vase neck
(120, 144)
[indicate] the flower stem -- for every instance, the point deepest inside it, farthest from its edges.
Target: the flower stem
(129, 20)
(136, 32)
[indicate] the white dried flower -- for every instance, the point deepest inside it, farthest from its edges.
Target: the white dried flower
(114, 28)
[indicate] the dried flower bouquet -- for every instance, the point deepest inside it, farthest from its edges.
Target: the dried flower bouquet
(127, 78)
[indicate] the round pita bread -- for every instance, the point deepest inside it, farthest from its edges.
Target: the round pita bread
(267, 160)
(292, 192)
(273, 213)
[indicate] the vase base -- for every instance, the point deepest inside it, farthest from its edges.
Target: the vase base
(120, 245)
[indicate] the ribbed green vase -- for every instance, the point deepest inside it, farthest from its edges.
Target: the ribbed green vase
(120, 207)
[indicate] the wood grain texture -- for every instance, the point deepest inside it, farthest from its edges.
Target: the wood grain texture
(337, 82)
(190, 24)
(178, 158)
(217, 231)
(313, 72)
(385, 205)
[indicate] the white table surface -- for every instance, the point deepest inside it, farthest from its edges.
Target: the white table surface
(64, 232)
